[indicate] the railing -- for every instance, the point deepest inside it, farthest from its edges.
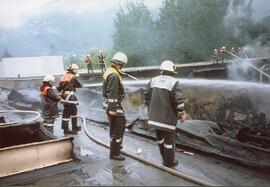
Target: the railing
(251, 65)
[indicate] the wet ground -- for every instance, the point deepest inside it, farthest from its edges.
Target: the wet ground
(93, 166)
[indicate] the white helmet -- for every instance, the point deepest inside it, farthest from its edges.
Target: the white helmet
(119, 58)
(49, 78)
(100, 51)
(168, 65)
(73, 67)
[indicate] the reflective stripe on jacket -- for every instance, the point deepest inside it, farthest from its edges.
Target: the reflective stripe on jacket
(68, 84)
(113, 90)
(165, 102)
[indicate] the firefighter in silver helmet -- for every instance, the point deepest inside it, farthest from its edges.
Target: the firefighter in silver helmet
(165, 107)
(113, 93)
(67, 87)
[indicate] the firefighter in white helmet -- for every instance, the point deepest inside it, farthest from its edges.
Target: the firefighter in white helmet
(113, 93)
(165, 107)
(101, 58)
(49, 100)
(67, 87)
(222, 54)
(215, 56)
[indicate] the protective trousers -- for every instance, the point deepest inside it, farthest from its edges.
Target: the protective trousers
(70, 110)
(102, 66)
(89, 67)
(117, 129)
(166, 143)
(48, 124)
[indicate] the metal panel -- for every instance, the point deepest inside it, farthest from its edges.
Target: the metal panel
(27, 157)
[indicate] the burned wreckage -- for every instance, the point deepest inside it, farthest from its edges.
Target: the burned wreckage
(22, 133)
(227, 119)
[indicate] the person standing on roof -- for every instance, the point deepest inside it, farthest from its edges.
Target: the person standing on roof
(222, 54)
(67, 87)
(216, 56)
(49, 101)
(101, 61)
(165, 107)
(88, 62)
(114, 93)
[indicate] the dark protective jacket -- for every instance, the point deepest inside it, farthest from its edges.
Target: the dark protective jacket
(101, 58)
(165, 102)
(113, 90)
(88, 60)
(49, 101)
(67, 87)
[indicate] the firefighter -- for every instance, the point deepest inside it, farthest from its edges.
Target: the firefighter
(215, 56)
(49, 100)
(88, 62)
(233, 51)
(165, 107)
(101, 61)
(222, 54)
(113, 93)
(239, 51)
(67, 87)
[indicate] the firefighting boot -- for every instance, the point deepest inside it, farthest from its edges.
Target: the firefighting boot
(115, 151)
(171, 165)
(75, 127)
(169, 157)
(119, 157)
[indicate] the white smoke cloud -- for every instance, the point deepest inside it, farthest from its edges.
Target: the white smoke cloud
(14, 13)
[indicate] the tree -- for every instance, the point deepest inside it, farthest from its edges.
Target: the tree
(134, 33)
(190, 29)
(52, 50)
(6, 54)
(239, 21)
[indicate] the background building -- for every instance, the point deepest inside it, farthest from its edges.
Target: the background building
(31, 66)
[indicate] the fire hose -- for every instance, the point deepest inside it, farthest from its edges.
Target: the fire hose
(159, 166)
(35, 118)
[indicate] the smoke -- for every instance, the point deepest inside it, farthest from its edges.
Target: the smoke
(237, 70)
(242, 70)
(258, 49)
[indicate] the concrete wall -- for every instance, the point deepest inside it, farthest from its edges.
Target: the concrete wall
(31, 66)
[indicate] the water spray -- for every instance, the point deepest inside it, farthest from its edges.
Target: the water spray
(251, 65)
(130, 76)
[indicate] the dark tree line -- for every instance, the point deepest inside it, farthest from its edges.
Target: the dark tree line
(186, 30)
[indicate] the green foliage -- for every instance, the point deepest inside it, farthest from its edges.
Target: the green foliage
(239, 22)
(95, 63)
(134, 33)
(186, 31)
(191, 29)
